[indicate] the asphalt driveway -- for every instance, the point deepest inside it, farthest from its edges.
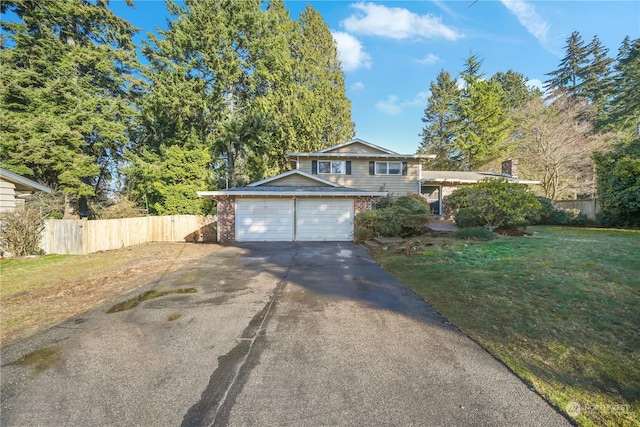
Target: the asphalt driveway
(268, 334)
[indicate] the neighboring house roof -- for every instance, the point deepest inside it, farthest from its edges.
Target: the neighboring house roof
(460, 177)
(21, 183)
(323, 188)
(375, 153)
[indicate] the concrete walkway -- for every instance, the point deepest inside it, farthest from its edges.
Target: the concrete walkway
(289, 334)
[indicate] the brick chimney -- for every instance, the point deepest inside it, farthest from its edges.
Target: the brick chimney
(510, 168)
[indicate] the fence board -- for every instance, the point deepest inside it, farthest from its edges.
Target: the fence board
(64, 236)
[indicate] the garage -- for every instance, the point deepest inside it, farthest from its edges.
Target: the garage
(259, 219)
(324, 219)
(292, 206)
(273, 219)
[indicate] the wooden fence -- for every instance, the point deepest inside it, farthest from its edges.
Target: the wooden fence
(81, 236)
(589, 207)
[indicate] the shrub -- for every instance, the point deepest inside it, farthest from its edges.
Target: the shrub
(618, 173)
(469, 217)
(500, 203)
(381, 202)
(566, 217)
(20, 231)
(476, 233)
(404, 216)
(459, 198)
(541, 215)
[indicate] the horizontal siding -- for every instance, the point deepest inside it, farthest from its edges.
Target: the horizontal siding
(361, 180)
(7, 196)
(294, 180)
(357, 148)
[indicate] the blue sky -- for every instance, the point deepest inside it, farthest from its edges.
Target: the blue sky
(392, 50)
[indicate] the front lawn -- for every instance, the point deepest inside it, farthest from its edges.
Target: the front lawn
(559, 308)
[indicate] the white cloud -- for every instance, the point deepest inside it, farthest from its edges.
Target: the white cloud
(396, 23)
(350, 52)
(389, 105)
(357, 86)
(393, 106)
(535, 83)
(420, 100)
(529, 18)
(430, 59)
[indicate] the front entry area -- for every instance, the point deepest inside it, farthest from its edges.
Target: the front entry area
(289, 219)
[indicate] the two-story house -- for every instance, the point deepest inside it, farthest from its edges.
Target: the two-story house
(318, 199)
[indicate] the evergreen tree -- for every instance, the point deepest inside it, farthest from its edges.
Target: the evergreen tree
(625, 104)
(596, 80)
(306, 101)
(439, 117)
(482, 124)
(585, 74)
(514, 86)
(570, 73)
(325, 116)
(65, 92)
(619, 185)
(252, 83)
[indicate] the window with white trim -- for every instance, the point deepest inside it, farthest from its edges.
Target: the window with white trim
(388, 168)
(337, 167)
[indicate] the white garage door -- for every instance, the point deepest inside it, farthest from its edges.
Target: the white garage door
(264, 220)
(324, 219)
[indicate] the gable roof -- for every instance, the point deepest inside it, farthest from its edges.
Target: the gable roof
(294, 172)
(357, 141)
(378, 152)
(21, 183)
(324, 188)
(461, 177)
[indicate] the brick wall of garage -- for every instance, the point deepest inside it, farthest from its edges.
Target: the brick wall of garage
(226, 212)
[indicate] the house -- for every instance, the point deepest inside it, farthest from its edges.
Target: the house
(318, 199)
(15, 188)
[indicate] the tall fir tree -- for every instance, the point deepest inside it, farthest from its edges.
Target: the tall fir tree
(439, 118)
(596, 80)
(326, 118)
(66, 93)
(624, 114)
(482, 125)
(253, 85)
(570, 71)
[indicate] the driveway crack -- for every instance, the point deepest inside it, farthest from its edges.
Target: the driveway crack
(233, 369)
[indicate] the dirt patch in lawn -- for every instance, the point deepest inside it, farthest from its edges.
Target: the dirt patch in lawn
(39, 293)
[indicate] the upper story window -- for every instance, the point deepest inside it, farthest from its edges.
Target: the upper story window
(336, 167)
(388, 168)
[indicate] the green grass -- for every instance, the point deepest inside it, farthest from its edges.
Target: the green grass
(560, 308)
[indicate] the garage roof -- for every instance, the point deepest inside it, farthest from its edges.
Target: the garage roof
(21, 183)
(290, 191)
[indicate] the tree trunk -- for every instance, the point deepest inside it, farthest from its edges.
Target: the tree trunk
(69, 210)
